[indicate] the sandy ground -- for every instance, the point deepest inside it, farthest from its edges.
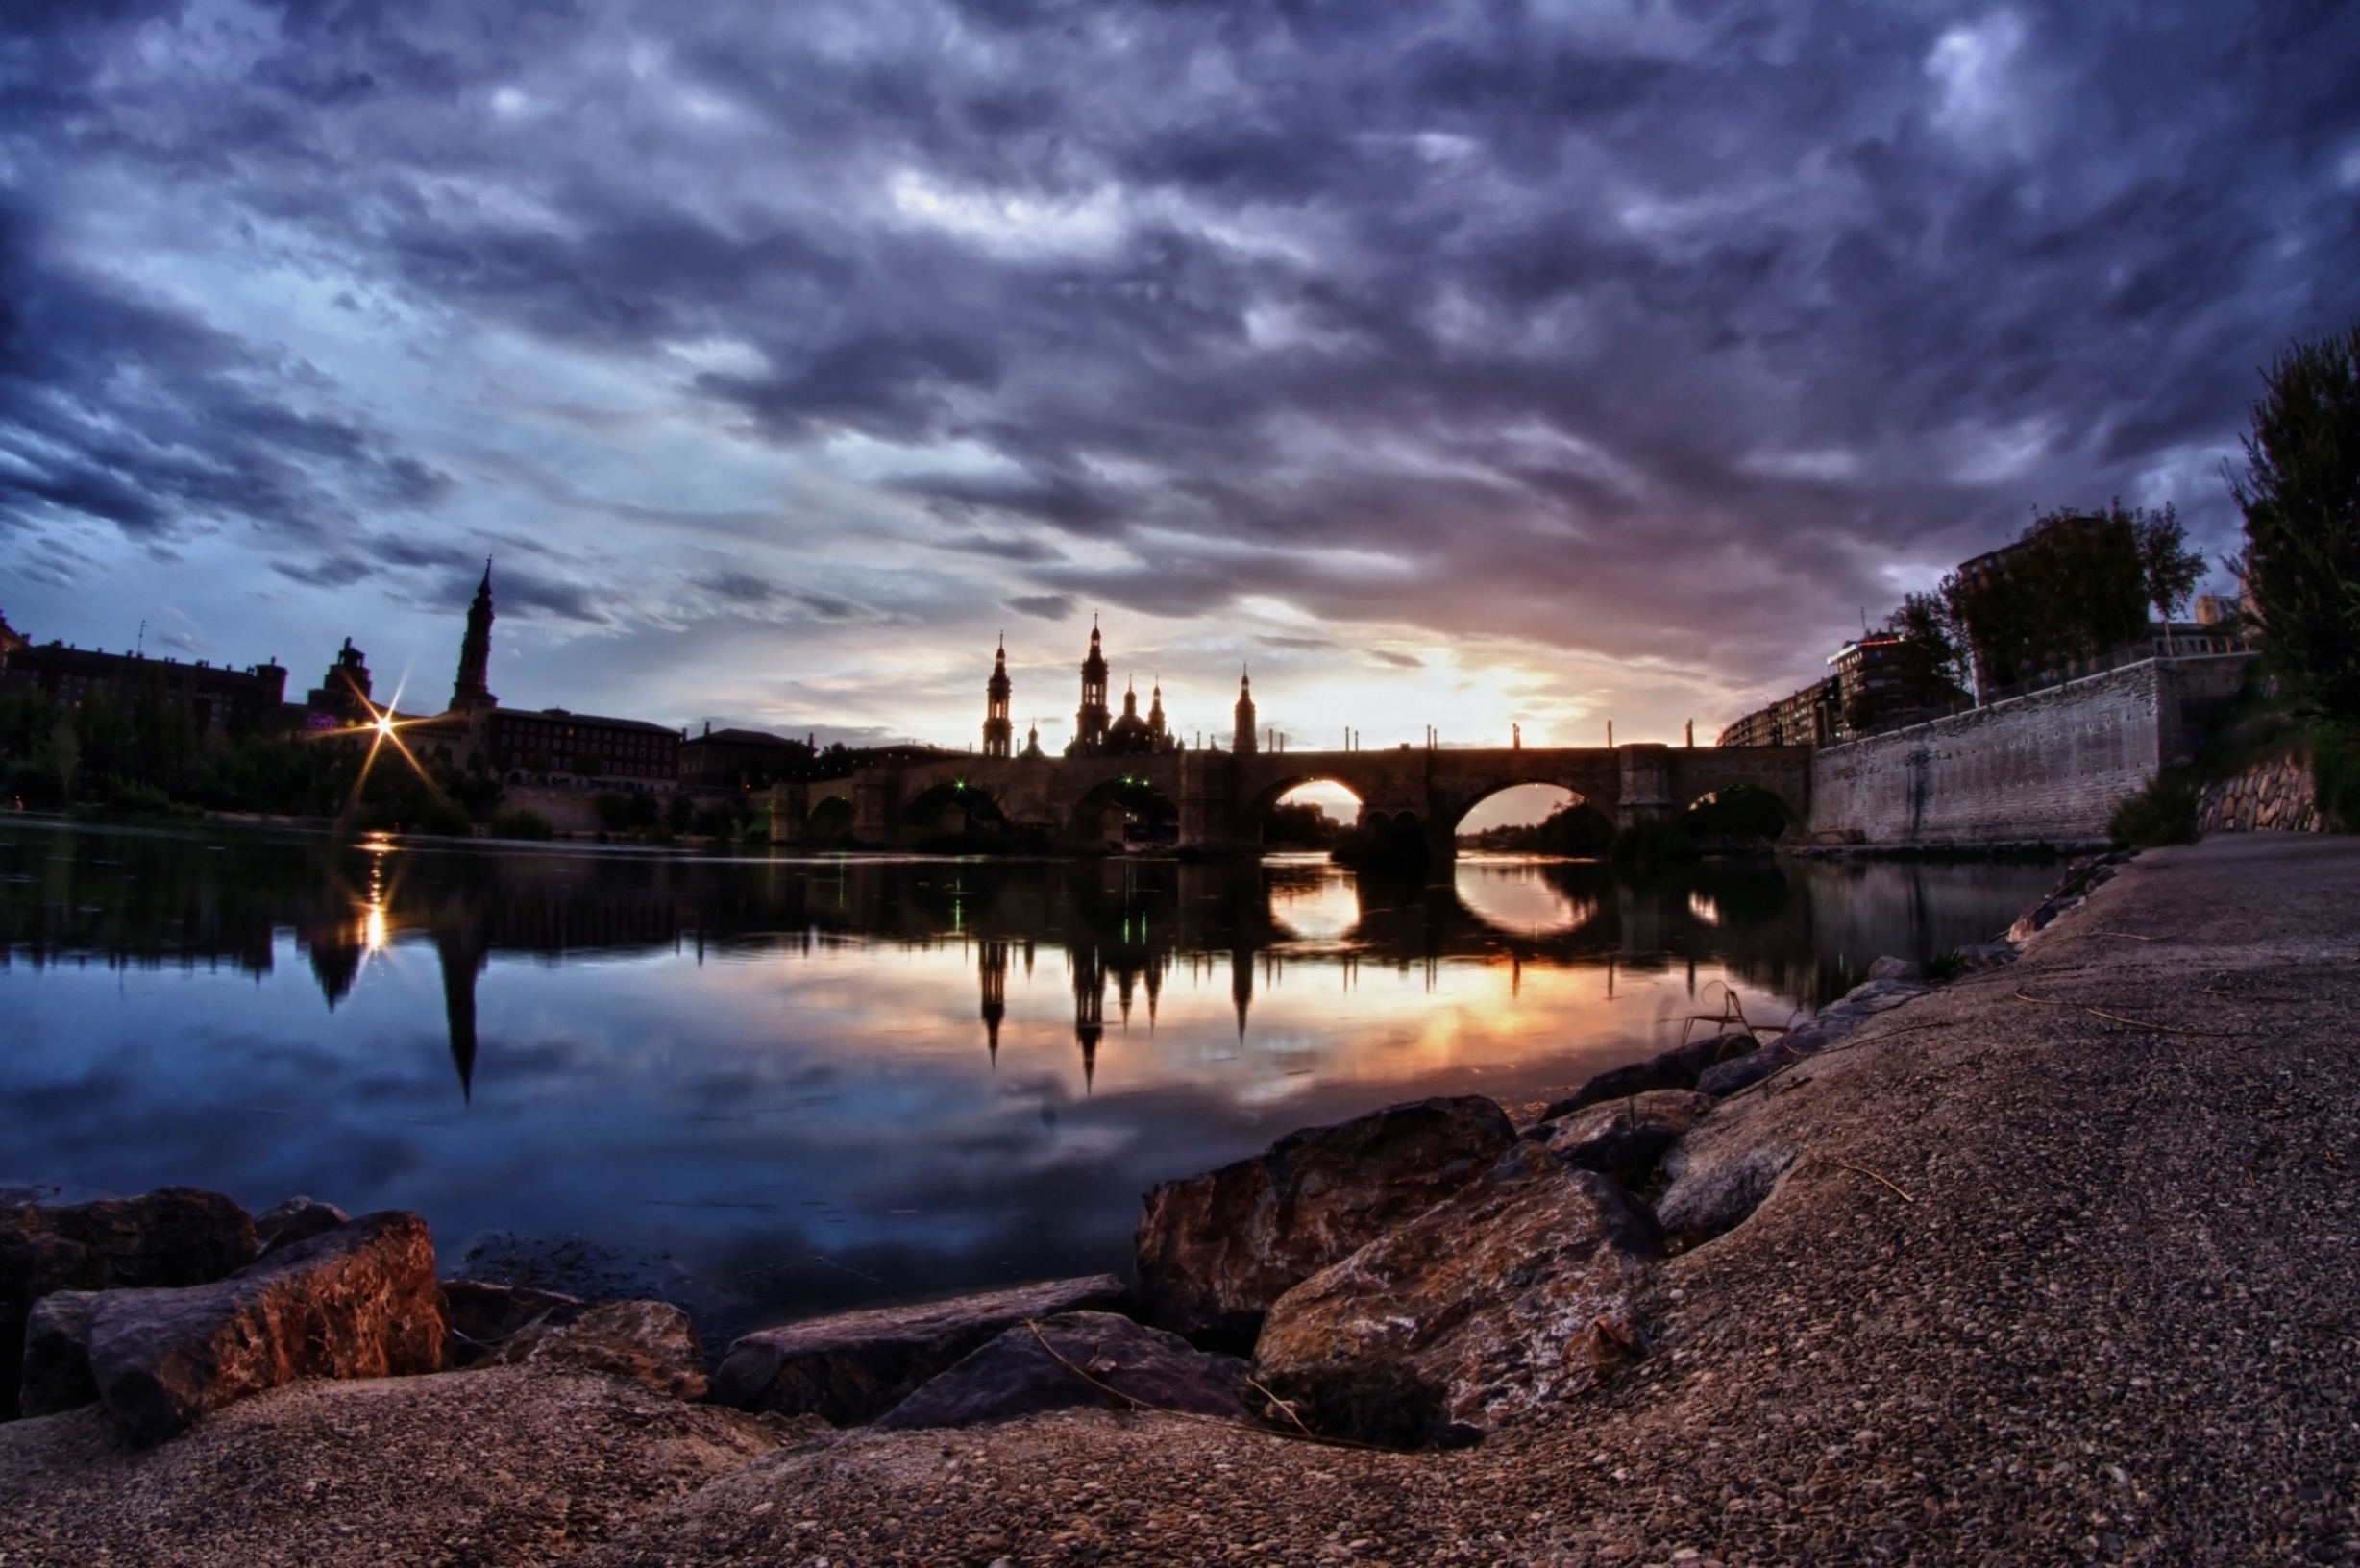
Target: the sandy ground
(2066, 1272)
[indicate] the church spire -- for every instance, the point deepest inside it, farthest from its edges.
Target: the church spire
(998, 729)
(1242, 741)
(473, 687)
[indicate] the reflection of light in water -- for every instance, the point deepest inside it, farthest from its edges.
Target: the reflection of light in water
(1703, 908)
(373, 929)
(1321, 910)
(1515, 896)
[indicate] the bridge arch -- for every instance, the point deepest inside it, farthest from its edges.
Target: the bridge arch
(1149, 815)
(933, 809)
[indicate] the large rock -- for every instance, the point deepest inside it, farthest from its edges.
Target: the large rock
(1745, 1071)
(855, 1366)
(1625, 1138)
(1092, 1361)
(174, 1236)
(1676, 1069)
(356, 1302)
(56, 1374)
(651, 1342)
(1215, 1250)
(1518, 1290)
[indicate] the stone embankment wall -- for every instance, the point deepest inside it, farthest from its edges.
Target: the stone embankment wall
(2046, 768)
(2277, 794)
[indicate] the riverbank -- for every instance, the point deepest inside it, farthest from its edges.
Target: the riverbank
(2061, 1270)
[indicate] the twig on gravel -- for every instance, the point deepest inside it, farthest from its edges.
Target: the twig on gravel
(2117, 1017)
(1309, 1435)
(1864, 1170)
(2127, 936)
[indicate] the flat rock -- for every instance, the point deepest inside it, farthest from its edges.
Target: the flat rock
(174, 1236)
(1084, 1361)
(481, 1317)
(1624, 1139)
(358, 1301)
(1517, 1290)
(1854, 1008)
(651, 1342)
(1216, 1250)
(855, 1366)
(1676, 1069)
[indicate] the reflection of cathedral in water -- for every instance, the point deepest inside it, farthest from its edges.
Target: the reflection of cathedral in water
(1123, 924)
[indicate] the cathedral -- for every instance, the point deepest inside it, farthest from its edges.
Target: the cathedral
(1097, 731)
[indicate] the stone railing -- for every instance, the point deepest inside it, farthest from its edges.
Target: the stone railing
(2274, 795)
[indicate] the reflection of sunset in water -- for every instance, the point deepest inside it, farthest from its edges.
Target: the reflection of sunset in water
(1512, 893)
(813, 1082)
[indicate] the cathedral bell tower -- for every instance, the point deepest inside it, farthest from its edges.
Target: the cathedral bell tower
(1242, 743)
(998, 729)
(473, 688)
(1092, 719)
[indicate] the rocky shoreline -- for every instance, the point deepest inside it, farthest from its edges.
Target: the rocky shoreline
(1431, 1287)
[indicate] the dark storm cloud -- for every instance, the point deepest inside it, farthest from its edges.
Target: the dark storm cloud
(1659, 330)
(1047, 606)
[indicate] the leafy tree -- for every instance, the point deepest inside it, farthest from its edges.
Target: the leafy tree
(2070, 586)
(2170, 568)
(2300, 494)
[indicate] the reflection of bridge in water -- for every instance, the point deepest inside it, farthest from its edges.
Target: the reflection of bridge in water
(1121, 924)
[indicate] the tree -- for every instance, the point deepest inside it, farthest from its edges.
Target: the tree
(2171, 569)
(1928, 621)
(2300, 494)
(2070, 586)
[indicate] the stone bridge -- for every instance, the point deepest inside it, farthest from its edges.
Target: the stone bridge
(1224, 799)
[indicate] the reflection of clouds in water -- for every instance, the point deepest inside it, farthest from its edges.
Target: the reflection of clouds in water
(1519, 896)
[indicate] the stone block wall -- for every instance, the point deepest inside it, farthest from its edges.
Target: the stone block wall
(2277, 794)
(2050, 767)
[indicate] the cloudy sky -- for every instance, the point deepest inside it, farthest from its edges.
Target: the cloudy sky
(1462, 364)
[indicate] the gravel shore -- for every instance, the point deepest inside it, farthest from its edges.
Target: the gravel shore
(2064, 1271)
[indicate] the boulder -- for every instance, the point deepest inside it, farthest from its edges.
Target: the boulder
(1890, 968)
(1091, 1360)
(651, 1342)
(1677, 1069)
(855, 1366)
(56, 1374)
(1624, 1139)
(481, 1317)
(1984, 955)
(356, 1302)
(294, 1219)
(1515, 1291)
(1745, 1071)
(1708, 1200)
(174, 1236)
(1215, 1250)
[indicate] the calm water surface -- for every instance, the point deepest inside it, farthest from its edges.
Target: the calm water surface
(767, 1086)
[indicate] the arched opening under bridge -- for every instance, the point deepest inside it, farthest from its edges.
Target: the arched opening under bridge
(1536, 819)
(1314, 815)
(1739, 817)
(1124, 813)
(953, 816)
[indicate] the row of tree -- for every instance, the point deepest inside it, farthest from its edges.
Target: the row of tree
(2073, 585)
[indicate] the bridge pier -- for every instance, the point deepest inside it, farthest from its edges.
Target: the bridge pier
(876, 807)
(1646, 785)
(1207, 802)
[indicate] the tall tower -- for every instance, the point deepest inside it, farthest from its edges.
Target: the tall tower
(473, 688)
(998, 729)
(1155, 712)
(1242, 743)
(1089, 722)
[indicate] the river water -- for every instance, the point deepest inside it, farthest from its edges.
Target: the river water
(766, 1087)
